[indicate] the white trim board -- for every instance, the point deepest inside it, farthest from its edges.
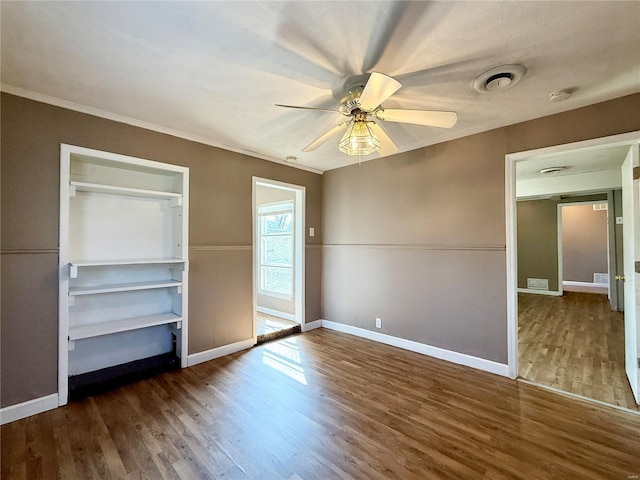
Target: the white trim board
(200, 357)
(436, 352)
(26, 409)
(553, 293)
(585, 284)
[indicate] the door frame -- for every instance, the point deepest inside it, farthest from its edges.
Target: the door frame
(560, 206)
(630, 198)
(511, 159)
(299, 208)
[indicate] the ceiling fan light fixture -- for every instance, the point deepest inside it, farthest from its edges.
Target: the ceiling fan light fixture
(359, 139)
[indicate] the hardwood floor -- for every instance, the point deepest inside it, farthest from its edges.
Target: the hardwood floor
(574, 343)
(325, 405)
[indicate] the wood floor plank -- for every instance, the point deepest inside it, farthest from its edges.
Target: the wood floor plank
(574, 343)
(325, 405)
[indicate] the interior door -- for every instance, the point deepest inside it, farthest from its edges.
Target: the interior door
(631, 245)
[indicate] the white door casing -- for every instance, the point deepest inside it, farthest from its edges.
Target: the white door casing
(511, 159)
(299, 246)
(630, 232)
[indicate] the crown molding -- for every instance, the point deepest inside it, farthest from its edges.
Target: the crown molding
(96, 112)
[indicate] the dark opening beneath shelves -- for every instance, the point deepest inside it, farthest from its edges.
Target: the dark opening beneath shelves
(99, 381)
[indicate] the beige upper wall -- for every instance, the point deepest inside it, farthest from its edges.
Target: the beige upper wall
(220, 233)
(446, 194)
(604, 119)
(220, 180)
(418, 209)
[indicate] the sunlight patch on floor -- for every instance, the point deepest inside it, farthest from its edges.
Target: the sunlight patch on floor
(284, 357)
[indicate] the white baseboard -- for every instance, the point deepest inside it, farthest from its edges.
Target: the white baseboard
(441, 353)
(26, 409)
(276, 313)
(218, 352)
(311, 325)
(584, 284)
(553, 293)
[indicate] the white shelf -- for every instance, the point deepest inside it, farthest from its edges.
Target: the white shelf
(115, 326)
(123, 287)
(108, 263)
(127, 191)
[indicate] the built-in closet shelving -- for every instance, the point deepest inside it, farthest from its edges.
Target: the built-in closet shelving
(123, 263)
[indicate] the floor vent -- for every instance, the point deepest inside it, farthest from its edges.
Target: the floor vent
(601, 278)
(538, 283)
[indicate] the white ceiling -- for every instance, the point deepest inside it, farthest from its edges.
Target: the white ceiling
(593, 169)
(212, 71)
(577, 162)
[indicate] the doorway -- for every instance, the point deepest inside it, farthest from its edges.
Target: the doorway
(583, 247)
(580, 180)
(278, 259)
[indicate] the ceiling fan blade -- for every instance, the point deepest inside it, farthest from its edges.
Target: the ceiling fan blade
(307, 108)
(429, 118)
(324, 137)
(387, 147)
(379, 87)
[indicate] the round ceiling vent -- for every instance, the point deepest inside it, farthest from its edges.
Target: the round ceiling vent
(499, 78)
(553, 169)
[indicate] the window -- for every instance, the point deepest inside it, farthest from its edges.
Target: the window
(276, 249)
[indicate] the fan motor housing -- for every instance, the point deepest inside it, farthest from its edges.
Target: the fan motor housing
(356, 83)
(349, 103)
(354, 87)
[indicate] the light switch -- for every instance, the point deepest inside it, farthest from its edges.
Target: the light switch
(312, 232)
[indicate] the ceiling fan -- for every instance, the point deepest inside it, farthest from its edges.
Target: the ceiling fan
(363, 105)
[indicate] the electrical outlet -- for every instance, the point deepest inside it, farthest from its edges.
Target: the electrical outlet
(378, 323)
(312, 232)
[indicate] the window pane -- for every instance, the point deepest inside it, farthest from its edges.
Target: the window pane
(277, 251)
(281, 223)
(276, 280)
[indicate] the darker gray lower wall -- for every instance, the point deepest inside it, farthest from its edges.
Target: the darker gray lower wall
(29, 324)
(220, 307)
(419, 237)
(428, 294)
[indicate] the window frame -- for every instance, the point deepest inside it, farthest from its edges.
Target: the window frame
(263, 211)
